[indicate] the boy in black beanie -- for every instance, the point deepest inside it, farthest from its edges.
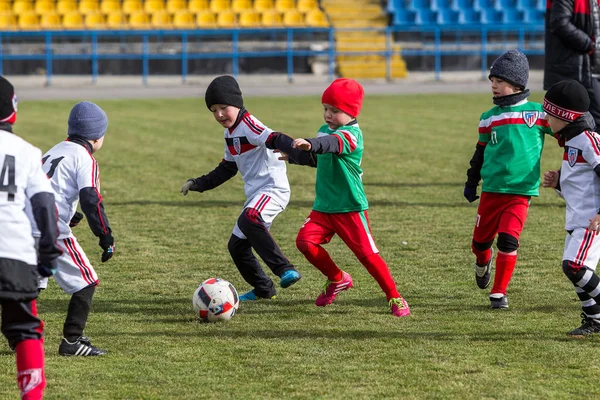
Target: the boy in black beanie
(578, 181)
(247, 150)
(507, 158)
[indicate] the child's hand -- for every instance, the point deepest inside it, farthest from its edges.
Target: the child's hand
(550, 179)
(595, 224)
(302, 144)
(283, 156)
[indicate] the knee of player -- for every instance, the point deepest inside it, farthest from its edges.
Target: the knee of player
(248, 219)
(574, 271)
(303, 246)
(480, 246)
(507, 243)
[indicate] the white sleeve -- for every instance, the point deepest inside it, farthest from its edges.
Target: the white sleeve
(37, 181)
(87, 173)
(591, 152)
(258, 133)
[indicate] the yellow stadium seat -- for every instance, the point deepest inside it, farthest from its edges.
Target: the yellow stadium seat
(89, 6)
(198, 5)
(5, 8)
(132, 6)
(184, 20)
(29, 21)
(161, 20)
(307, 5)
(285, 5)
(44, 6)
(8, 22)
(174, 6)
(219, 5)
(263, 5)
(250, 19)
(73, 20)
(293, 18)
(152, 6)
(95, 21)
(139, 20)
(316, 18)
(110, 6)
(50, 21)
(65, 6)
(116, 20)
(22, 6)
(226, 19)
(271, 18)
(206, 19)
(241, 5)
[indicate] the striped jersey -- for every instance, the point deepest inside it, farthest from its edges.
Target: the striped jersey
(514, 138)
(260, 167)
(339, 186)
(579, 183)
(21, 178)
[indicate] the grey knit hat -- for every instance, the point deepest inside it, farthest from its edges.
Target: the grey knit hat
(511, 67)
(88, 121)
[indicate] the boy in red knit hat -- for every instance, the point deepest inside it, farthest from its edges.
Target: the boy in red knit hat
(341, 205)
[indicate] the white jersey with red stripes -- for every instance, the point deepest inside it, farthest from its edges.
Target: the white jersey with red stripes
(21, 177)
(260, 167)
(70, 168)
(579, 183)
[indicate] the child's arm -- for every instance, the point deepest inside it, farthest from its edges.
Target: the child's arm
(474, 173)
(320, 145)
(92, 206)
(285, 144)
(221, 174)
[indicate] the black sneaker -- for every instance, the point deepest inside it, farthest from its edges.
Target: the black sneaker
(588, 327)
(483, 273)
(498, 301)
(80, 347)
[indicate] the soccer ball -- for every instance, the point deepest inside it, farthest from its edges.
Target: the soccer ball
(215, 300)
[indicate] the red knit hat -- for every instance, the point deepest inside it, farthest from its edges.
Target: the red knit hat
(346, 95)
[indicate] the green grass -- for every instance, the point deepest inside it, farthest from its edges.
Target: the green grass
(417, 152)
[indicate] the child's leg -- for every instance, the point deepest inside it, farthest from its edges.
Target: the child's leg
(486, 227)
(312, 234)
(245, 261)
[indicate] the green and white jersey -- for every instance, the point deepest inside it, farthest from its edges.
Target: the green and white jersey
(514, 138)
(339, 186)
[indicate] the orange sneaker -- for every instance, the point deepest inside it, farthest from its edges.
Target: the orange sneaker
(399, 307)
(331, 290)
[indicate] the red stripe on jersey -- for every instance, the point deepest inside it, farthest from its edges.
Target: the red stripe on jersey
(264, 204)
(259, 202)
(479, 142)
(509, 121)
(349, 138)
(253, 126)
(581, 7)
(595, 142)
(245, 147)
(580, 158)
(76, 259)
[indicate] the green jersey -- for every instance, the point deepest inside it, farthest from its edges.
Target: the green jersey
(339, 186)
(514, 138)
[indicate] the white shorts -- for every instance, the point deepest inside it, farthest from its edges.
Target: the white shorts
(74, 271)
(583, 247)
(268, 208)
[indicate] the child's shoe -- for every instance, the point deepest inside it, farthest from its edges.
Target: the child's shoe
(399, 307)
(498, 301)
(80, 347)
(588, 327)
(289, 278)
(331, 290)
(251, 296)
(483, 272)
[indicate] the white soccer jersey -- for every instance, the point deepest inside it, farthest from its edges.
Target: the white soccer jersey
(21, 177)
(579, 184)
(261, 169)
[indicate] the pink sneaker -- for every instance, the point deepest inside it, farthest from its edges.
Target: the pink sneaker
(331, 290)
(399, 307)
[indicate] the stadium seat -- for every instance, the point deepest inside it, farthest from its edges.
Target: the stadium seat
(285, 5)
(174, 6)
(263, 5)
(132, 6)
(462, 5)
(541, 5)
(512, 16)
(161, 20)
(88, 6)
(8, 22)
(73, 20)
(437, 5)
(198, 5)
(22, 6)
(469, 17)
(5, 8)
(139, 20)
(293, 18)
(425, 17)
(393, 5)
(480, 5)
(184, 20)
(116, 20)
(152, 6)
(219, 5)
(504, 5)
(447, 16)
(420, 4)
(490, 16)
(95, 21)
(206, 19)
(526, 4)
(239, 6)
(271, 18)
(404, 17)
(307, 5)
(50, 20)
(533, 16)
(28, 21)
(44, 7)
(226, 19)
(316, 18)
(65, 6)
(110, 6)
(250, 19)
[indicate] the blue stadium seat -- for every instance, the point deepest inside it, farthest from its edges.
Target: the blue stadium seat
(420, 4)
(404, 17)
(526, 4)
(483, 4)
(503, 5)
(490, 16)
(541, 5)
(460, 5)
(468, 16)
(533, 16)
(447, 16)
(394, 5)
(437, 5)
(512, 16)
(425, 17)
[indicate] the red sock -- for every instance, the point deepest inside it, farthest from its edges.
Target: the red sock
(505, 265)
(30, 369)
(318, 256)
(380, 271)
(482, 256)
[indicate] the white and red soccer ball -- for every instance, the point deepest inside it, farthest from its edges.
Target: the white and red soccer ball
(215, 300)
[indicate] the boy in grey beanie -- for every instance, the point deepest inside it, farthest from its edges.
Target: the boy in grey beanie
(74, 176)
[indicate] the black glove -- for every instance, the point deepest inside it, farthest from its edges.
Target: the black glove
(76, 219)
(45, 271)
(470, 193)
(107, 242)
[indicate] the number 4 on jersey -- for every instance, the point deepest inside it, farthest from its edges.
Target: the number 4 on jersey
(7, 174)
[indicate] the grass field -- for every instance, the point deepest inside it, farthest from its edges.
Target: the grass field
(417, 151)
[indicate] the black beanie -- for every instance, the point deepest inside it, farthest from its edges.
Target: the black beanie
(8, 101)
(224, 90)
(567, 100)
(511, 67)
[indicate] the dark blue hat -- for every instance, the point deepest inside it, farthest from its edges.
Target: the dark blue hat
(88, 121)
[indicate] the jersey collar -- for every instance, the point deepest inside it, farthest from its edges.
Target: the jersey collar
(243, 112)
(82, 142)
